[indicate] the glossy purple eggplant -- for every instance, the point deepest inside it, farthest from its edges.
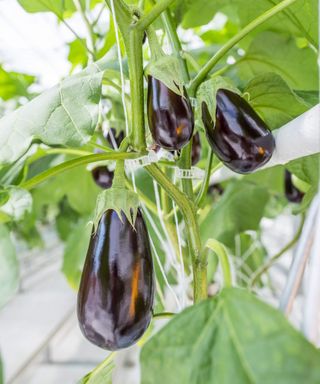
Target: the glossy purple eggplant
(117, 285)
(170, 116)
(102, 177)
(292, 193)
(196, 149)
(240, 138)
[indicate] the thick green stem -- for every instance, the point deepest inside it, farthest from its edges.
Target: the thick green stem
(135, 62)
(34, 181)
(233, 41)
(155, 12)
(193, 236)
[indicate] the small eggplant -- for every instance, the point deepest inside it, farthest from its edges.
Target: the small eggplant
(196, 149)
(102, 177)
(240, 138)
(113, 138)
(292, 193)
(117, 285)
(170, 116)
(215, 189)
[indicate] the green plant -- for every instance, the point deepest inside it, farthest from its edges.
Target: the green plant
(46, 144)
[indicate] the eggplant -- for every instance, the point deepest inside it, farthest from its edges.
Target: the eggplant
(196, 149)
(117, 137)
(240, 138)
(293, 194)
(215, 189)
(102, 177)
(116, 291)
(170, 116)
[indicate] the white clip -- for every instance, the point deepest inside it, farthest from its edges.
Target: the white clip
(163, 154)
(193, 102)
(192, 173)
(134, 164)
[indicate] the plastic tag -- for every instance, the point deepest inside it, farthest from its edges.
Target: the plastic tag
(192, 173)
(134, 164)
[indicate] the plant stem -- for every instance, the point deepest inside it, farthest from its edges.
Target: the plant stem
(188, 57)
(147, 202)
(90, 38)
(220, 250)
(194, 84)
(34, 181)
(163, 315)
(175, 43)
(193, 236)
(275, 257)
(135, 62)
(155, 12)
(204, 186)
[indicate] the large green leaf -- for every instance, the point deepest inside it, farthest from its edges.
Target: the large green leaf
(9, 271)
(279, 53)
(14, 84)
(19, 202)
(75, 252)
(67, 114)
(300, 18)
(232, 339)
(240, 208)
(58, 7)
(77, 185)
(274, 100)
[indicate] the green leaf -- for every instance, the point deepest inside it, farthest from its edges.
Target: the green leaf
(67, 114)
(232, 339)
(300, 18)
(220, 250)
(58, 7)
(78, 53)
(19, 203)
(207, 94)
(75, 252)
(306, 169)
(9, 270)
(274, 100)
(120, 200)
(14, 84)
(240, 208)
(167, 70)
(200, 12)
(274, 52)
(77, 185)
(102, 374)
